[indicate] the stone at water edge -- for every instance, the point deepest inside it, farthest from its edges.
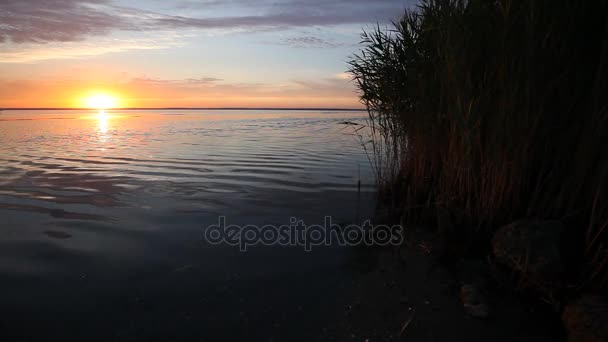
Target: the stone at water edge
(586, 319)
(474, 301)
(474, 275)
(531, 247)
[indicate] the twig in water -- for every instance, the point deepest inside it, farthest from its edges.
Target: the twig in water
(407, 322)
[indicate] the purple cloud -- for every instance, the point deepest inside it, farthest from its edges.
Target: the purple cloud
(309, 42)
(41, 21)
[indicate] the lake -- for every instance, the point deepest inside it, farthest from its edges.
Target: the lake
(104, 213)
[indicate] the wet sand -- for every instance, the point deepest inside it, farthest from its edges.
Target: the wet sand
(407, 294)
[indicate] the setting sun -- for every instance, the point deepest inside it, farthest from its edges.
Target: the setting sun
(101, 101)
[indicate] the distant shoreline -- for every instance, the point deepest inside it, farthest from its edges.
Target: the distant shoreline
(201, 108)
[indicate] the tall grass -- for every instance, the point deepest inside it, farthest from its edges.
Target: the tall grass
(497, 110)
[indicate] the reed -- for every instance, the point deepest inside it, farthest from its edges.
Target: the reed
(496, 110)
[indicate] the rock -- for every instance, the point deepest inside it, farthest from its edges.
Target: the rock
(474, 301)
(586, 319)
(531, 247)
(473, 275)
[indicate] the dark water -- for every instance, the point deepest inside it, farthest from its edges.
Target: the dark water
(102, 221)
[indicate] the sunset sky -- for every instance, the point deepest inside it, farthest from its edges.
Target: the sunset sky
(184, 53)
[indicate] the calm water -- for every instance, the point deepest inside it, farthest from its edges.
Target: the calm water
(103, 218)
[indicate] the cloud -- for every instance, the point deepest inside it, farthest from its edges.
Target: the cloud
(309, 42)
(343, 76)
(188, 82)
(38, 21)
(33, 52)
(202, 91)
(42, 21)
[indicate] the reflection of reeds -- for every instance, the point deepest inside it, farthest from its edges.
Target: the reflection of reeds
(496, 109)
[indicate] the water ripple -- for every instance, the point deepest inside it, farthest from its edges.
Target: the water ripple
(102, 164)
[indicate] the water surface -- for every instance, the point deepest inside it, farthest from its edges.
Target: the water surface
(103, 217)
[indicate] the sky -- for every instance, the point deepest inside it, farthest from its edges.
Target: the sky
(184, 53)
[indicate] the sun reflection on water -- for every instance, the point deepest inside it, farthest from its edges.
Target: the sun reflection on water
(102, 119)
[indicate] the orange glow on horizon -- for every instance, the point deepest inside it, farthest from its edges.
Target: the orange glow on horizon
(83, 94)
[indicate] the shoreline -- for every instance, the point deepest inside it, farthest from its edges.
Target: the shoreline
(407, 293)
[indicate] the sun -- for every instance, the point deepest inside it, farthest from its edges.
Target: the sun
(101, 101)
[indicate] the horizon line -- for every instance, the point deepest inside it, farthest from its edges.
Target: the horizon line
(188, 108)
